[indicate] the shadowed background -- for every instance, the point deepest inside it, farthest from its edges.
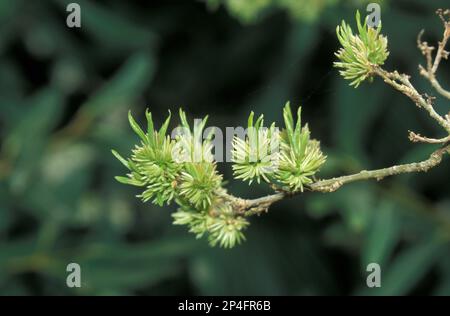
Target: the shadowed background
(64, 95)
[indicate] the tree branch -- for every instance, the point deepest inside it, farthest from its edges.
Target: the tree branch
(401, 83)
(416, 138)
(379, 174)
(256, 206)
(441, 53)
(432, 66)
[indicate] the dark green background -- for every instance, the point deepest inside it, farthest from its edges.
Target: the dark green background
(64, 95)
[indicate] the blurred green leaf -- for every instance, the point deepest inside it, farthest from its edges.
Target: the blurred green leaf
(25, 143)
(354, 110)
(127, 84)
(382, 235)
(110, 28)
(409, 267)
(269, 263)
(443, 288)
(132, 266)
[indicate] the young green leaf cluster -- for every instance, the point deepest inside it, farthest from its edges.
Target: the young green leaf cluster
(183, 169)
(151, 164)
(289, 158)
(219, 223)
(301, 156)
(256, 156)
(359, 52)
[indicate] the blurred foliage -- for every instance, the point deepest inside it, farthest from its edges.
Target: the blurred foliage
(64, 95)
(251, 11)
